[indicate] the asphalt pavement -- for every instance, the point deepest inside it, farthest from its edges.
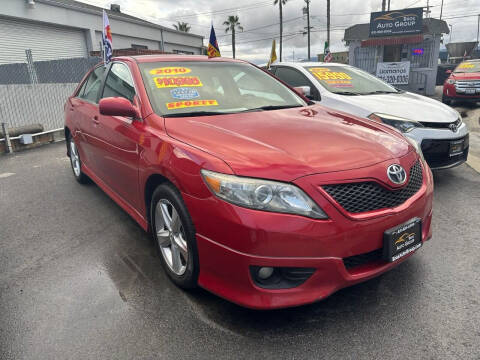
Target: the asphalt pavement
(79, 279)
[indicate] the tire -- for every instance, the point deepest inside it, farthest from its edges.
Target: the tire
(174, 236)
(446, 100)
(76, 162)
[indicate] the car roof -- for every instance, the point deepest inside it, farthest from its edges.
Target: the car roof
(176, 58)
(309, 63)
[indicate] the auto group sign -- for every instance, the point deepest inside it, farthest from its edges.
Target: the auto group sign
(398, 22)
(394, 73)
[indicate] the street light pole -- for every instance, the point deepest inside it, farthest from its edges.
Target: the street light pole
(441, 10)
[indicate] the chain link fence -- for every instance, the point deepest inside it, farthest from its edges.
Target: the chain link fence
(34, 92)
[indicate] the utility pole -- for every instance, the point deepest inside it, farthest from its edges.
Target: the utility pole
(441, 10)
(388, 7)
(478, 28)
(428, 8)
(328, 24)
(383, 4)
(308, 27)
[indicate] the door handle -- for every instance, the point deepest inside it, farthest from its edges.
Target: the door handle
(95, 120)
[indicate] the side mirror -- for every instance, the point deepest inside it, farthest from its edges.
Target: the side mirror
(448, 72)
(117, 106)
(304, 91)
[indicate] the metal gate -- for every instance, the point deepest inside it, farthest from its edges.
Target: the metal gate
(365, 59)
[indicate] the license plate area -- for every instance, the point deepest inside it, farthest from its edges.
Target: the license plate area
(402, 240)
(456, 147)
(469, 91)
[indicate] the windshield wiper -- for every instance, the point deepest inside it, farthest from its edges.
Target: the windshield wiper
(351, 93)
(197, 113)
(380, 92)
(272, 107)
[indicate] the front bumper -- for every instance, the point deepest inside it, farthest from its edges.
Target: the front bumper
(231, 239)
(435, 144)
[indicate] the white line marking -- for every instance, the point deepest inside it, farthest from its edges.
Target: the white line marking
(5, 175)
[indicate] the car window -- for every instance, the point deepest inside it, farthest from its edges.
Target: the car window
(181, 89)
(292, 77)
(82, 88)
(248, 86)
(349, 80)
(92, 85)
(119, 83)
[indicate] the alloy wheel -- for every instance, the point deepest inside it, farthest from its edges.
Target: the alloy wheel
(74, 159)
(170, 235)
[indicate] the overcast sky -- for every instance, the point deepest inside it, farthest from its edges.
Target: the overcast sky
(260, 19)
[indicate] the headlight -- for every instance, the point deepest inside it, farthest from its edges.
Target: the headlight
(262, 195)
(404, 125)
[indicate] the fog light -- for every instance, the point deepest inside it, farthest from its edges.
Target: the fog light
(264, 272)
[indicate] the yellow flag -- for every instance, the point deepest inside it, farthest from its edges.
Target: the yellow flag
(273, 55)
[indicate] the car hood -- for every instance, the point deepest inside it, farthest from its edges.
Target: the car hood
(288, 144)
(465, 76)
(406, 105)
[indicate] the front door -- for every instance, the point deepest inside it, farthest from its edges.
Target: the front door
(117, 139)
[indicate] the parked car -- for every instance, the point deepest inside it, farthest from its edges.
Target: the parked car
(248, 190)
(463, 83)
(437, 128)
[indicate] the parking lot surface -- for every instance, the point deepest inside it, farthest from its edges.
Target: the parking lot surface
(80, 280)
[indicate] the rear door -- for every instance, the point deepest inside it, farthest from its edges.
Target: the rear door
(85, 108)
(117, 138)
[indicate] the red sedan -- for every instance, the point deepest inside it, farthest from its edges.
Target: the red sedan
(249, 190)
(463, 83)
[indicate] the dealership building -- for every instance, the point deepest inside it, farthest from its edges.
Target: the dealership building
(410, 51)
(60, 29)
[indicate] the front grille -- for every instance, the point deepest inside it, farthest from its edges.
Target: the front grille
(368, 196)
(441, 125)
(362, 259)
(437, 152)
(467, 84)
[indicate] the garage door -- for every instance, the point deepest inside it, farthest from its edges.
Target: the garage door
(47, 42)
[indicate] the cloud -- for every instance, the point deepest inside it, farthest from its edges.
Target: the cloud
(260, 20)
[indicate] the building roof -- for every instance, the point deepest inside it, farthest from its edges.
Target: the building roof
(80, 6)
(362, 31)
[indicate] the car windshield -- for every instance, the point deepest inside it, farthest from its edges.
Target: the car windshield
(349, 80)
(468, 67)
(209, 88)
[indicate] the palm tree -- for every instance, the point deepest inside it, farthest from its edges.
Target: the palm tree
(182, 26)
(280, 5)
(232, 23)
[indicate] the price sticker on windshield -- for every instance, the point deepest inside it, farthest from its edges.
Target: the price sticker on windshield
(177, 81)
(331, 75)
(171, 70)
(466, 66)
(190, 104)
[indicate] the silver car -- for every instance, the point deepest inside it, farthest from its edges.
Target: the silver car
(437, 128)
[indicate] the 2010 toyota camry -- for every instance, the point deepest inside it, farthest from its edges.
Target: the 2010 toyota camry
(249, 190)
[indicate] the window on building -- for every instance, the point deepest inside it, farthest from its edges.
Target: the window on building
(89, 90)
(392, 53)
(183, 52)
(136, 46)
(119, 82)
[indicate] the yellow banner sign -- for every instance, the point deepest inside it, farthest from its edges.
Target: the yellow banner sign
(330, 75)
(190, 104)
(177, 81)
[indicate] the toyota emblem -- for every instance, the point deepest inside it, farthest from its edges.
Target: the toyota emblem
(397, 174)
(453, 127)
